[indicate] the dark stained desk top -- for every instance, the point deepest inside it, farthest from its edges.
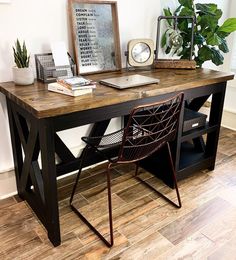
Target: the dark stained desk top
(42, 103)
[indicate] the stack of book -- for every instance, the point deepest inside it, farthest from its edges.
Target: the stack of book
(72, 86)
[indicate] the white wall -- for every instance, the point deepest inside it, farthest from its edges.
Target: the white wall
(230, 104)
(43, 21)
(6, 160)
(229, 10)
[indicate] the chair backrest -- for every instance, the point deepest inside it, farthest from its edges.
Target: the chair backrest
(149, 127)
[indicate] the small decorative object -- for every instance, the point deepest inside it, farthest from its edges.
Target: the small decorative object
(173, 40)
(22, 73)
(209, 38)
(140, 53)
(95, 34)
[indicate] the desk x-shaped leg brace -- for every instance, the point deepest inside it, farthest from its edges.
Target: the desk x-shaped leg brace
(34, 184)
(37, 185)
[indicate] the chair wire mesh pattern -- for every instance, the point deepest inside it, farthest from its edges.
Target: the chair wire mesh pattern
(149, 127)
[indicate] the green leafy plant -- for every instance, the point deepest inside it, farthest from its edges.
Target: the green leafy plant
(209, 37)
(20, 55)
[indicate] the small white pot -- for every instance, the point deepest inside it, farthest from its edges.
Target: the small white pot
(23, 76)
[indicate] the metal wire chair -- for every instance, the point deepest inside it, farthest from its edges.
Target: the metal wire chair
(149, 128)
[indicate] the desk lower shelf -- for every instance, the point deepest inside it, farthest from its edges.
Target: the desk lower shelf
(198, 132)
(192, 160)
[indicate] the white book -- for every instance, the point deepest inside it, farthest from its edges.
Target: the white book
(75, 80)
(56, 87)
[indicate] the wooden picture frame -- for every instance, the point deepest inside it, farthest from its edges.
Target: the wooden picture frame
(95, 34)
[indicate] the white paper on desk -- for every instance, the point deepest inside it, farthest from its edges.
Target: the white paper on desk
(59, 54)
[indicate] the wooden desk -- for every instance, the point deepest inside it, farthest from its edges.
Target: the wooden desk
(35, 115)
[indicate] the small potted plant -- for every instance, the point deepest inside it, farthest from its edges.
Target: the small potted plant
(22, 73)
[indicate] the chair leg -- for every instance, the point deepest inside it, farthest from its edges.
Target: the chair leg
(179, 205)
(109, 244)
(136, 169)
(110, 203)
(174, 177)
(78, 174)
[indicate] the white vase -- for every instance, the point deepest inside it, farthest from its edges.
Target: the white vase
(23, 76)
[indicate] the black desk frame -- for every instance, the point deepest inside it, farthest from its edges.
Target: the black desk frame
(33, 135)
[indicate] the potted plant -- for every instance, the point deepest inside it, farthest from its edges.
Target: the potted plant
(209, 37)
(22, 73)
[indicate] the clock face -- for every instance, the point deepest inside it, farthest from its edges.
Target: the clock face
(141, 52)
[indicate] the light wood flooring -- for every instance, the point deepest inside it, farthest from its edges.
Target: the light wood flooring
(146, 227)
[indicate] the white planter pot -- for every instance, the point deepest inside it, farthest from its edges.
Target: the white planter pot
(23, 76)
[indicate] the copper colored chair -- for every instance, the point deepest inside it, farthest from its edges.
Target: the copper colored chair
(148, 128)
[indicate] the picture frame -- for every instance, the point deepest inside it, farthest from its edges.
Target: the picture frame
(95, 35)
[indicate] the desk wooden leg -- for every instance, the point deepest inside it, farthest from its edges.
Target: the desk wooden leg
(47, 145)
(16, 148)
(215, 119)
(38, 187)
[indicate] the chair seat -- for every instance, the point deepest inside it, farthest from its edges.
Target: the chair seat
(105, 141)
(115, 140)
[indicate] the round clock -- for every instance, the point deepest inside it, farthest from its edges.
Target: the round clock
(140, 52)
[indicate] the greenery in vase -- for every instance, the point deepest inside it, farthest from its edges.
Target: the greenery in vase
(20, 55)
(209, 37)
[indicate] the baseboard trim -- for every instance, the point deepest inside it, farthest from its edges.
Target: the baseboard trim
(229, 119)
(75, 150)
(7, 170)
(5, 196)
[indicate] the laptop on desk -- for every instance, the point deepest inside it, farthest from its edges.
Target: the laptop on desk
(130, 81)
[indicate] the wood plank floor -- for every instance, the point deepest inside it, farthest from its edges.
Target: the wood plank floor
(146, 227)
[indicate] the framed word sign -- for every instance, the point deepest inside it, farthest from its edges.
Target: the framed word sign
(95, 35)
